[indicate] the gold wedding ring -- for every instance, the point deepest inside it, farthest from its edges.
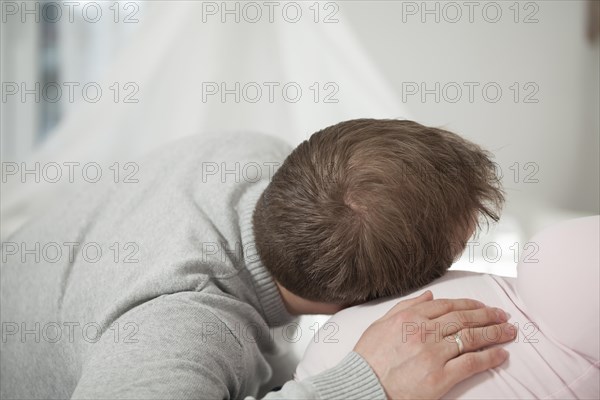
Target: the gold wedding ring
(461, 346)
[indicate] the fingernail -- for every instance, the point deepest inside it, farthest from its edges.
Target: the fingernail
(501, 315)
(510, 329)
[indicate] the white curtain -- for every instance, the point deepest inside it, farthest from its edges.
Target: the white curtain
(179, 56)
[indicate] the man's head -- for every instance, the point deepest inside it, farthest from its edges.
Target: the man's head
(371, 208)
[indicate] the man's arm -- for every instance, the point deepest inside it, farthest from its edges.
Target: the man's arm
(170, 358)
(352, 378)
(167, 348)
(159, 350)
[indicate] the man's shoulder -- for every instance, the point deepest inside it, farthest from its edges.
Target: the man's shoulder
(229, 148)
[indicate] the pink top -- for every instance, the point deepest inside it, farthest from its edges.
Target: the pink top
(554, 302)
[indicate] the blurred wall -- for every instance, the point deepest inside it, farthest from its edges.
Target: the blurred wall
(19, 62)
(43, 42)
(540, 44)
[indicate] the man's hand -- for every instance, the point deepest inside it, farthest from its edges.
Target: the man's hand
(413, 349)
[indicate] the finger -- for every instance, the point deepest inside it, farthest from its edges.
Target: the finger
(460, 368)
(404, 304)
(436, 308)
(476, 338)
(457, 320)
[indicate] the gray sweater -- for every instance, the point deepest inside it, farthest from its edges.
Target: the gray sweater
(153, 289)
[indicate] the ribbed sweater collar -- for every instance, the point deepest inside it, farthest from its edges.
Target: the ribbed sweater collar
(273, 308)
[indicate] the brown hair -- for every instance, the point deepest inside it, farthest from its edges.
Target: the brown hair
(370, 208)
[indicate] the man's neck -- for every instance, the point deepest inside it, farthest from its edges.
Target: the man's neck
(297, 305)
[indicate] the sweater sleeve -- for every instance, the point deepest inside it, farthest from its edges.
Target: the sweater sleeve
(165, 348)
(352, 378)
